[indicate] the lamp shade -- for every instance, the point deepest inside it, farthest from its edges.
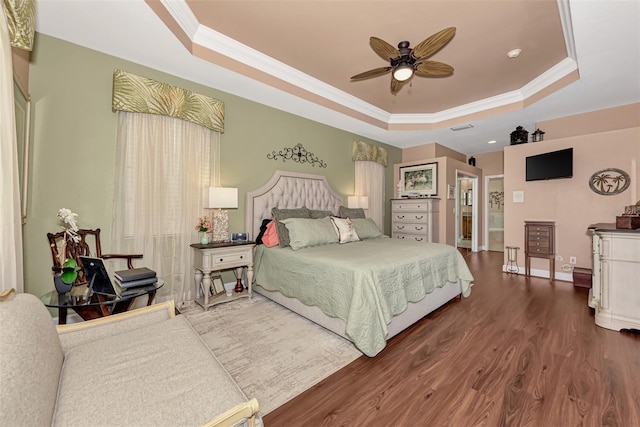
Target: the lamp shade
(358, 202)
(223, 197)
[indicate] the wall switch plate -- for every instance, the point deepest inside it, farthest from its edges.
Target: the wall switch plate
(518, 196)
(572, 260)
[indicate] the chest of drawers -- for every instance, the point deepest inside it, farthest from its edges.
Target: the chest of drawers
(415, 219)
(539, 242)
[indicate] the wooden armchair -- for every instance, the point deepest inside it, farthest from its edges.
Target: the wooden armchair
(82, 248)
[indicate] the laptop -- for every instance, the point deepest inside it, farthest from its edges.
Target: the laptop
(97, 276)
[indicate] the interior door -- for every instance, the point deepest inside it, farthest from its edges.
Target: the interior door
(494, 212)
(466, 211)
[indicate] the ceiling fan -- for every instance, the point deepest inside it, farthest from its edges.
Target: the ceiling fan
(404, 61)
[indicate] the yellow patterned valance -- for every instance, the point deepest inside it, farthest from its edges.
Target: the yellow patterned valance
(369, 152)
(21, 19)
(137, 94)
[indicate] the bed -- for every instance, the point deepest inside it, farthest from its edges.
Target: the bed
(366, 291)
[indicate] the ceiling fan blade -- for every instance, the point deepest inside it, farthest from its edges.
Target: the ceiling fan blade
(434, 43)
(396, 85)
(383, 49)
(371, 73)
(433, 69)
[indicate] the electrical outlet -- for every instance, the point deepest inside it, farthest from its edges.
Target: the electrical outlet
(572, 260)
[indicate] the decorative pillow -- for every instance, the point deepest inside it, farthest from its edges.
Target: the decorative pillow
(350, 212)
(263, 228)
(280, 214)
(305, 232)
(366, 228)
(346, 230)
(317, 214)
(270, 237)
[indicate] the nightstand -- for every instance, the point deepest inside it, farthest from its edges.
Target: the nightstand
(215, 257)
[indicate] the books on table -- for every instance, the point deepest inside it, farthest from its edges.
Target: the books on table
(137, 290)
(134, 274)
(134, 281)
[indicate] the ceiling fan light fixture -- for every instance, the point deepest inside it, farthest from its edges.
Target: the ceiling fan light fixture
(402, 73)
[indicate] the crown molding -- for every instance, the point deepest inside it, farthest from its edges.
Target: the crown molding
(183, 15)
(224, 45)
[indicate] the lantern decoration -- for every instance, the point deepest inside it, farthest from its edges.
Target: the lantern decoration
(537, 136)
(519, 136)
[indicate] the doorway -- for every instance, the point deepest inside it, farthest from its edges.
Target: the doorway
(466, 211)
(494, 212)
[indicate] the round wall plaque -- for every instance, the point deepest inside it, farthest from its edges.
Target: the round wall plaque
(609, 182)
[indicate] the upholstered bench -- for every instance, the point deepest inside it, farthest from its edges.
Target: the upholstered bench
(146, 367)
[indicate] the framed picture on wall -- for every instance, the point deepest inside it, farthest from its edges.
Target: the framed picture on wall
(451, 191)
(419, 180)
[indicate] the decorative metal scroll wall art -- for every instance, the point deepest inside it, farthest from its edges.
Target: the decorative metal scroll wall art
(298, 154)
(609, 182)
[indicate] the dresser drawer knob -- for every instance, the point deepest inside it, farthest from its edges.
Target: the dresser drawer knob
(400, 216)
(419, 239)
(401, 227)
(419, 228)
(420, 217)
(221, 259)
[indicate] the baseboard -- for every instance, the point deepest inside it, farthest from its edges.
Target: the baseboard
(565, 277)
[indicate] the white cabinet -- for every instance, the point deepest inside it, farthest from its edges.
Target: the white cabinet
(615, 294)
(415, 219)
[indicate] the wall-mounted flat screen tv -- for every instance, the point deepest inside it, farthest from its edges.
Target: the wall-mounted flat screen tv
(553, 165)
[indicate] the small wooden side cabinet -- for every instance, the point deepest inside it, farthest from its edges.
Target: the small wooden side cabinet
(539, 242)
(217, 257)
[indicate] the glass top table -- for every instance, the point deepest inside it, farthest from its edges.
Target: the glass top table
(90, 305)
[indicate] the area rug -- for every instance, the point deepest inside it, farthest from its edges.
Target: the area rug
(272, 353)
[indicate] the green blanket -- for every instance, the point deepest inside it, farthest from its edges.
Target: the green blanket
(363, 283)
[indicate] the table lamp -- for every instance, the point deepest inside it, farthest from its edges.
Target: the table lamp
(358, 202)
(221, 198)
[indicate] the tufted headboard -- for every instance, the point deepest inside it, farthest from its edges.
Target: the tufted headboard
(289, 190)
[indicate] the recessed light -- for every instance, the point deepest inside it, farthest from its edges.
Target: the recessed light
(491, 142)
(461, 127)
(514, 53)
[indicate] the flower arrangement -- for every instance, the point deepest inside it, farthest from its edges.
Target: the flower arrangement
(204, 224)
(70, 226)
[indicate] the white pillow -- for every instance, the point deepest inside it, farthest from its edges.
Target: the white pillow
(345, 229)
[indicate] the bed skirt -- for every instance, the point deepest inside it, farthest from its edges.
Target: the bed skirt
(414, 312)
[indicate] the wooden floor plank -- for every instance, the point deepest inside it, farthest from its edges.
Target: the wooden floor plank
(518, 352)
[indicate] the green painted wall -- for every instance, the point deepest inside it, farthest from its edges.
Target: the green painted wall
(73, 146)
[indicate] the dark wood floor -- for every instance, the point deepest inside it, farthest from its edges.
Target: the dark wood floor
(518, 352)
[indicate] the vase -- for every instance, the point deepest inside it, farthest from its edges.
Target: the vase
(204, 240)
(61, 287)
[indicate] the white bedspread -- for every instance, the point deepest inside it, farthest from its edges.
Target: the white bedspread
(363, 283)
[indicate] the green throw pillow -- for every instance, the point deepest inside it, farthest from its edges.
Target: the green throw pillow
(317, 214)
(350, 212)
(304, 232)
(280, 214)
(366, 228)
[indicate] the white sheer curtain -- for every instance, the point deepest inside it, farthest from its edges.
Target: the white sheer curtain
(163, 166)
(370, 182)
(10, 216)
